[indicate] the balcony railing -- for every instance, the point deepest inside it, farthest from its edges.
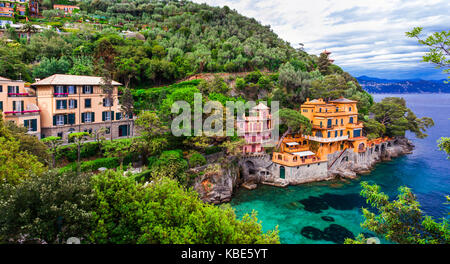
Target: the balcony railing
(326, 140)
(293, 160)
(61, 94)
(22, 112)
(17, 94)
(258, 141)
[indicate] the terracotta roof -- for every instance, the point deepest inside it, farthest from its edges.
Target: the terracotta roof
(261, 106)
(4, 79)
(315, 101)
(65, 79)
(343, 100)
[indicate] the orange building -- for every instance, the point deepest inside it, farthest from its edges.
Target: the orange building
(7, 7)
(72, 103)
(68, 9)
(335, 127)
(18, 104)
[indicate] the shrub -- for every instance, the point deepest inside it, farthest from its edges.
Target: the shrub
(197, 160)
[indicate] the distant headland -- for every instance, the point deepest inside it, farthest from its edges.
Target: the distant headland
(375, 85)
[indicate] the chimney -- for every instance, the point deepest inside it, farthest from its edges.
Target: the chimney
(307, 99)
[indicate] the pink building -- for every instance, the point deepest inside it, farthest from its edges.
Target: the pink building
(256, 129)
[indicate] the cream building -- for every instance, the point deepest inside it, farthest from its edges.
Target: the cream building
(72, 103)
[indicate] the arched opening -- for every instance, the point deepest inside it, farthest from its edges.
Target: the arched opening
(361, 147)
(250, 166)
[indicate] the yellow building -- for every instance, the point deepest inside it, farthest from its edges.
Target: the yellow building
(18, 104)
(72, 103)
(335, 127)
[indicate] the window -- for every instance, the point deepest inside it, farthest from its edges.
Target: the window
(329, 134)
(107, 116)
(30, 124)
(1, 105)
(87, 89)
(342, 132)
(349, 109)
(18, 106)
(107, 102)
(351, 120)
(72, 89)
(72, 103)
(88, 117)
(60, 120)
(342, 121)
(61, 104)
(1, 88)
(60, 134)
(60, 91)
(87, 103)
(335, 133)
(119, 116)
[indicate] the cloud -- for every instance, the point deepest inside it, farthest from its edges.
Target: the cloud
(366, 37)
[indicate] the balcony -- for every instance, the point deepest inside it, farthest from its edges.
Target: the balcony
(61, 94)
(259, 141)
(288, 159)
(18, 94)
(21, 112)
(355, 125)
(326, 140)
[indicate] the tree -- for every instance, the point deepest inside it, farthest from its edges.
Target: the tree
(393, 114)
(53, 143)
(79, 138)
(16, 165)
(119, 149)
(295, 123)
(439, 47)
(324, 63)
(127, 106)
(48, 67)
(28, 28)
(165, 213)
(152, 139)
(47, 208)
(401, 221)
(444, 144)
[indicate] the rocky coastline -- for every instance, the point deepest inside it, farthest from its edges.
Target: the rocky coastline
(217, 182)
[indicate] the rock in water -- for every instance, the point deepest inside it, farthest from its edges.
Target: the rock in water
(312, 233)
(327, 218)
(314, 204)
(337, 234)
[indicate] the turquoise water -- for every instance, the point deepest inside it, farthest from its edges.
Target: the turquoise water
(298, 211)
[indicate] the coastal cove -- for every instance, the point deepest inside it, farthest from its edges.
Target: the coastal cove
(326, 212)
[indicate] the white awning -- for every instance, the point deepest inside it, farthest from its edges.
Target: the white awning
(304, 153)
(290, 144)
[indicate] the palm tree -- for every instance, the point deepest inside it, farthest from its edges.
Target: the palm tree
(28, 28)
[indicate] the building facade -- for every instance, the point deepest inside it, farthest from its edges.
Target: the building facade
(68, 9)
(71, 103)
(335, 127)
(8, 7)
(256, 129)
(18, 104)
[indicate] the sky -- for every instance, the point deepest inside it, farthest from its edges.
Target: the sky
(365, 37)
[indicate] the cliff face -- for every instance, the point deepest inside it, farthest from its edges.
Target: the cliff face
(217, 183)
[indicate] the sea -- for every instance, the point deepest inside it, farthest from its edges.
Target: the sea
(328, 212)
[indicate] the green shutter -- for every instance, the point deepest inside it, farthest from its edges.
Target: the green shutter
(82, 117)
(93, 117)
(71, 119)
(103, 116)
(1, 105)
(54, 120)
(65, 120)
(76, 102)
(112, 115)
(34, 124)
